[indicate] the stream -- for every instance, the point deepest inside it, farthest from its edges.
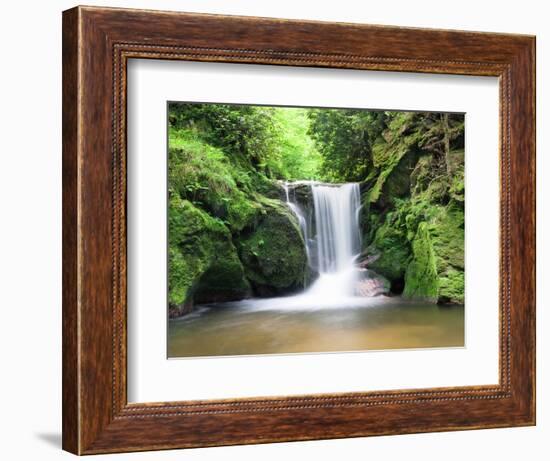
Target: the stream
(258, 327)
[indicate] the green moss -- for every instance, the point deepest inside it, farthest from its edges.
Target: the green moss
(224, 280)
(398, 182)
(369, 222)
(421, 279)
(189, 253)
(274, 254)
(399, 123)
(420, 243)
(182, 275)
(215, 201)
(393, 250)
(201, 255)
(389, 157)
(447, 232)
(456, 189)
(380, 152)
(267, 187)
(374, 193)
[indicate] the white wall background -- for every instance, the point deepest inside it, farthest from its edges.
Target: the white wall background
(30, 228)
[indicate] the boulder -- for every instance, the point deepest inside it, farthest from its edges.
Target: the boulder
(390, 253)
(372, 284)
(274, 255)
(202, 258)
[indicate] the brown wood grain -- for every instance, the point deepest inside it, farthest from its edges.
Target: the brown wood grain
(70, 383)
(97, 43)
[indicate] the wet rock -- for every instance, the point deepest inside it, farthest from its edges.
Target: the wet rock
(372, 284)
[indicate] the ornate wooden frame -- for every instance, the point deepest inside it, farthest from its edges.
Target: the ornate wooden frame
(97, 43)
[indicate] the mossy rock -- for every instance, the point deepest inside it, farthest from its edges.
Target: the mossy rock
(393, 252)
(369, 222)
(421, 278)
(302, 194)
(398, 182)
(421, 175)
(393, 156)
(224, 280)
(447, 236)
(447, 231)
(436, 271)
(268, 187)
(274, 255)
(202, 257)
(408, 242)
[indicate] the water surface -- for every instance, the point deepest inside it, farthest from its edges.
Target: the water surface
(288, 325)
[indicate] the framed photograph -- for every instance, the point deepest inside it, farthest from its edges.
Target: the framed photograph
(281, 230)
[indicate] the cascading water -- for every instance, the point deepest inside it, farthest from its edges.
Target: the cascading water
(296, 209)
(336, 217)
(336, 243)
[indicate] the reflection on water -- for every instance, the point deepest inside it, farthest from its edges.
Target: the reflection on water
(260, 327)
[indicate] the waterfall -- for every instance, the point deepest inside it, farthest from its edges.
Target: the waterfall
(336, 218)
(335, 242)
(297, 211)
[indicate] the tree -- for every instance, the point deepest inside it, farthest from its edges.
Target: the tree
(345, 138)
(440, 131)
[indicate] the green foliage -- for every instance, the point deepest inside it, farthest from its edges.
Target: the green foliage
(242, 131)
(451, 286)
(296, 154)
(344, 137)
(203, 175)
(222, 160)
(269, 140)
(357, 144)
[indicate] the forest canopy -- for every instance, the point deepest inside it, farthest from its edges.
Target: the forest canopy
(332, 145)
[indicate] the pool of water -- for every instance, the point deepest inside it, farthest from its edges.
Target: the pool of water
(286, 325)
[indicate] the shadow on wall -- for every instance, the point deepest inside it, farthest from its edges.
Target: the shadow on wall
(51, 438)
